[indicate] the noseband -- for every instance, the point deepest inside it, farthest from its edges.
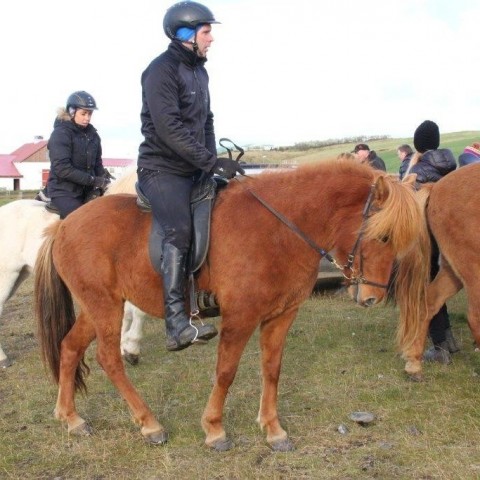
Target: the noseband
(353, 278)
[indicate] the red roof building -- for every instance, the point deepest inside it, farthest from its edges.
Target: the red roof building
(27, 168)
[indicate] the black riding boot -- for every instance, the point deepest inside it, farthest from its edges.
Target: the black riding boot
(180, 332)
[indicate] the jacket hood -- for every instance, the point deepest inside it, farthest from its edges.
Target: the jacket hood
(63, 115)
(442, 159)
(63, 118)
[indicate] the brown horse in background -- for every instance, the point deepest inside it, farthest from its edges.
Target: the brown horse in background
(451, 209)
(259, 269)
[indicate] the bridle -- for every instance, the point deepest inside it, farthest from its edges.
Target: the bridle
(359, 279)
(353, 277)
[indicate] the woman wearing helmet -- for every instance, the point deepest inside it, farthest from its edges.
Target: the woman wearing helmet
(75, 153)
(178, 151)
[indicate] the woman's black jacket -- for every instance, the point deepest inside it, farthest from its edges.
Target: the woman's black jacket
(75, 157)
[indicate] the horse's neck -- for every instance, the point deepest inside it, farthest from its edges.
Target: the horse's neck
(300, 205)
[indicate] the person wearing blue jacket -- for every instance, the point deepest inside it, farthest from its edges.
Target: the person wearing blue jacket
(430, 164)
(179, 151)
(75, 151)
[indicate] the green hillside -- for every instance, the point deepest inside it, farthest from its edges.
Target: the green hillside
(385, 148)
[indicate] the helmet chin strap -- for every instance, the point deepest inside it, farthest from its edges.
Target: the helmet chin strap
(194, 44)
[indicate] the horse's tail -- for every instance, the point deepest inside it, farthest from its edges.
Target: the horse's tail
(54, 310)
(412, 279)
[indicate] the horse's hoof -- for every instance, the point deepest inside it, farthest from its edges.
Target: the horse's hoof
(221, 445)
(284, 445)
(5, 363)
(157, 438)
(84, 429)
(415, 377)
(131, 358)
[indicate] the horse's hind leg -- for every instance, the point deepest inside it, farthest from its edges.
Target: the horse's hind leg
(232, 343)
(71, 353)
(272, 341)
(109, 357)
(445, 285)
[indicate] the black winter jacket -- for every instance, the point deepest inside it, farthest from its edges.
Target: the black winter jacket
(177, 123)
(75, 157)
(404, 165)
(375, 161)
(433, 165)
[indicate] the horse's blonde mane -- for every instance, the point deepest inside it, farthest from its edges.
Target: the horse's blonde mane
(412, 279)
(399, 216)
(125, 183)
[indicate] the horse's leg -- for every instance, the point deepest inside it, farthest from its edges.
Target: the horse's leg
(9, 281)
(230, 348)
(444, 286)
(109, 357)
(272, 341)
(473, 314)
(4, 360)
(132, 333)
(71, 352)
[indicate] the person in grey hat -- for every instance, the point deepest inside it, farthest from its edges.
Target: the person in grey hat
(430, 164)
(365, 155)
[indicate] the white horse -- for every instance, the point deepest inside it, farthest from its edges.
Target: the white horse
(22, 223)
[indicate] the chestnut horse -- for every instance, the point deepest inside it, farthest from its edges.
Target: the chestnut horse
(259, 268)
(451, 207)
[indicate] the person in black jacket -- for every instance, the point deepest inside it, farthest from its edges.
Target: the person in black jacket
(75, 151)
(430, 164)
(405, 154)
(365, 155)
(178, 152)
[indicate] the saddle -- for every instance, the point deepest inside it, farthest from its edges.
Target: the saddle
(201, 204)
(41, 196)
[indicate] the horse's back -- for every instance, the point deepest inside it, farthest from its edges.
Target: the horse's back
(453, 217)
(22, 223)
(108, 239)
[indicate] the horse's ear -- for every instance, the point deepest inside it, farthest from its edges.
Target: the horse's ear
(410, 179)
(382, 189)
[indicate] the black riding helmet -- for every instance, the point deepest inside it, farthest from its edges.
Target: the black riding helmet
(186, 14)
(81, 99)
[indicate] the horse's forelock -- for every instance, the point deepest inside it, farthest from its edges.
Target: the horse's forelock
(399, 217)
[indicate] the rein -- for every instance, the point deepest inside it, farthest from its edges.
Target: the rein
(354, 278)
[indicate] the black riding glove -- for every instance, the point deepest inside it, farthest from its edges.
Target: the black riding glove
(100, 182)
(225, 167)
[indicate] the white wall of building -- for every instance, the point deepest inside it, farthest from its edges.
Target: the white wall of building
(32, 174)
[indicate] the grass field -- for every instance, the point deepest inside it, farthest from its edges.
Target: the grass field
(339, 359)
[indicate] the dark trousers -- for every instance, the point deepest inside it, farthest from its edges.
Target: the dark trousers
(66, 205)
(169, 196)
(440, 321)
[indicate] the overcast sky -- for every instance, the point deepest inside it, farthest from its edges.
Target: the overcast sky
(281, 72)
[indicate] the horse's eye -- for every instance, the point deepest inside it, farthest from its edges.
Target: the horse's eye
(385, 239)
